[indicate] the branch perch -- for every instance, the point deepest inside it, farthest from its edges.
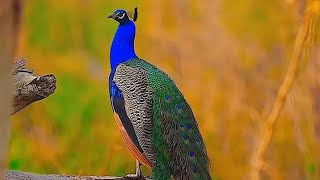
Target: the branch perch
(18, 175)
(29, 87)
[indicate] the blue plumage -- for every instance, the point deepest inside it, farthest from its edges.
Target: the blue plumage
(122, 48)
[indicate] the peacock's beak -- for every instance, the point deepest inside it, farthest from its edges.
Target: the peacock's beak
(113, 16)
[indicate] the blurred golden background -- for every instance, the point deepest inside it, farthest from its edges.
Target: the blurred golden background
(228, 58)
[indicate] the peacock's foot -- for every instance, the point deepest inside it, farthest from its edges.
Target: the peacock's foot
(134, 177)
(148, 177)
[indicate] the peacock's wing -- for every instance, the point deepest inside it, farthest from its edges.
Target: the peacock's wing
(137, 102)
(125, 125)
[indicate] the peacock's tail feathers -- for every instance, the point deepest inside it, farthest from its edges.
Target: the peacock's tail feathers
(177, 138)
(179, 148)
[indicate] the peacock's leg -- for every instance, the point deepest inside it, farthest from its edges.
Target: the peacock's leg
(138, 174)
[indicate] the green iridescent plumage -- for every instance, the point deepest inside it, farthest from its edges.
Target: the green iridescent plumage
(179, 148)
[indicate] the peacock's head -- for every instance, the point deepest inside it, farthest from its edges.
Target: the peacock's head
(123, 16)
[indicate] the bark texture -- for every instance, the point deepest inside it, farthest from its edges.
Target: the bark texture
(18, 175)
(29, 87)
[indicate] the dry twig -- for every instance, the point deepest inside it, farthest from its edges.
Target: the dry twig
(301, 51)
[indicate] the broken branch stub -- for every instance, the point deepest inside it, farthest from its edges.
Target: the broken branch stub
(29, 87)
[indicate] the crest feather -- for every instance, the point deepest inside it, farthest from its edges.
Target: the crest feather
(133, 14)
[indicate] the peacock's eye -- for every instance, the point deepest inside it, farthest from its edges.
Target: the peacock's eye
(121, 15)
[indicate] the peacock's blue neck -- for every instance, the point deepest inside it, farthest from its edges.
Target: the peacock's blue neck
(122, 48)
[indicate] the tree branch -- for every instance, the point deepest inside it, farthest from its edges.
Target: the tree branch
(18, 175)
(29, 87)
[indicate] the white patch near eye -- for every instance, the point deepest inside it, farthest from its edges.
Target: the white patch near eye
(121, 17)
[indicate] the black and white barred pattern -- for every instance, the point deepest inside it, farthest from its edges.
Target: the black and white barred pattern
(138, 103)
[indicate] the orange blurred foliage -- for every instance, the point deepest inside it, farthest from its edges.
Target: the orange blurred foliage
(228, 58)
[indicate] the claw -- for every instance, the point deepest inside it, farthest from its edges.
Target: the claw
(134, 177)
(138, 175)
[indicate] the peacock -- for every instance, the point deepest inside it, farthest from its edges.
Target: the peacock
(155, 121)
